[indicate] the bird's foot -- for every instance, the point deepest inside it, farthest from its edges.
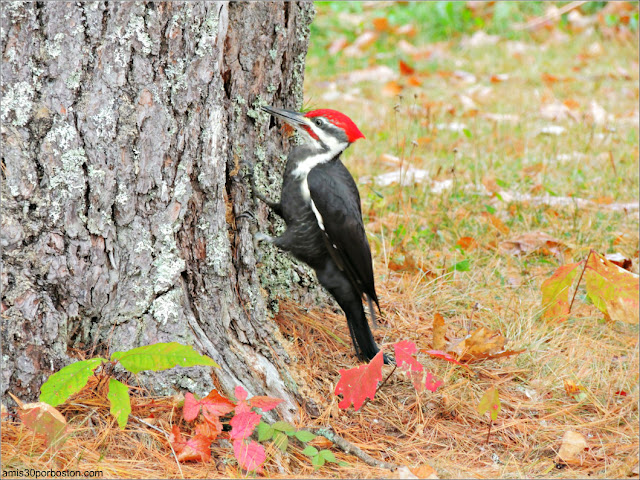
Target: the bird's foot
(262, 237)
(249, 215)
(257, 238)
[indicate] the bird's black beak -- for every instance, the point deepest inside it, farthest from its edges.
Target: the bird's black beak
(295, 119)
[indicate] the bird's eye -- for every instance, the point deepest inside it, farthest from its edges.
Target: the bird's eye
(318, 122)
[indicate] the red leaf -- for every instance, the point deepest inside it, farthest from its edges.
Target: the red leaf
(215, 405)
(194, 450)
(243, 424)
(250, 455)
(208, 429)
(444, 356)
(406, 69)
(356, 384)
(430, 384)
(243, 407)
(191, 407)
(241, 393)
(265, 403)
(404, 351)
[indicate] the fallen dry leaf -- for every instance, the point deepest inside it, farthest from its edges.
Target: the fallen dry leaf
(531, 242)
(406, 29)
(439, 332)
(381, 24)
(380, 73)
(574, 390)
(481, 341)
(425, 471)
(364, 41)
(496, 222)
(392, 89)
(45, 420)
(405, 68)
(572, 448)
(337, 45)
(467, 243)
(620, 260)
(403, 473)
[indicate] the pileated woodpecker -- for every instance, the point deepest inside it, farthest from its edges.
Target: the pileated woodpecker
(320, 204)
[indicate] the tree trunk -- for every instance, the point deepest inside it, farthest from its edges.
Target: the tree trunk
(125, 128)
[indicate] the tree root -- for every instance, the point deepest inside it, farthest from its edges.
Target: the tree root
(348, 447)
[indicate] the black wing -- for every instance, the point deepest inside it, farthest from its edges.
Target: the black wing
(336, 198)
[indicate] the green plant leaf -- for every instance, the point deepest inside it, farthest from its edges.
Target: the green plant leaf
(284, 427)
(281, 441)
(161, 356)
(304, 436)
(265, 432)
(310, 451)
(327, 455)
(463, 266)
(317, 461)
(120, 402)
(343, 463)
(69, 380)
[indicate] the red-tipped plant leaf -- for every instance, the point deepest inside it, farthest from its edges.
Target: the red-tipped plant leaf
(191, 407)
(208, 429)
(612, 289)
(213, 406)
(555, 292)
(196, 449)
(243, 424)
(444, 356)
(250, 455)
(359, 383)
(241, 393)
(265, 403)
(404, 356)
(431, 383)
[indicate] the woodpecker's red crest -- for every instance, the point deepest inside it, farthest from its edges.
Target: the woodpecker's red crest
(340, 120)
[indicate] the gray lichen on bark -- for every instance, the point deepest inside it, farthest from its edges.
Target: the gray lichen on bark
(125, 126)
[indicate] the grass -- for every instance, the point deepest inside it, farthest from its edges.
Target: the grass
(420, 269)
(592, 159)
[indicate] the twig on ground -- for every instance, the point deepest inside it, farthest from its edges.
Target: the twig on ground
(349, 448)
(536, 22)
(586, 260)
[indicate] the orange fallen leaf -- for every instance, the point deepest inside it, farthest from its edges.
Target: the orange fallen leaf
(571, 103)
(425, 471)
(467, 243)
(381, 24)
(574, 390)
(414, 81)
(392, 89)
(405, 68)
(496, 222)
(439, 332)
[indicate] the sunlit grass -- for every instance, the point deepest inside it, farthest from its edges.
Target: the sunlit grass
(420, 270)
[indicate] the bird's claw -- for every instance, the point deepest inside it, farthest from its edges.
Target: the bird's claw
(249, 215)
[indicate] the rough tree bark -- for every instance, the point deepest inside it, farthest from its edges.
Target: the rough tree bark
(125, 126)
